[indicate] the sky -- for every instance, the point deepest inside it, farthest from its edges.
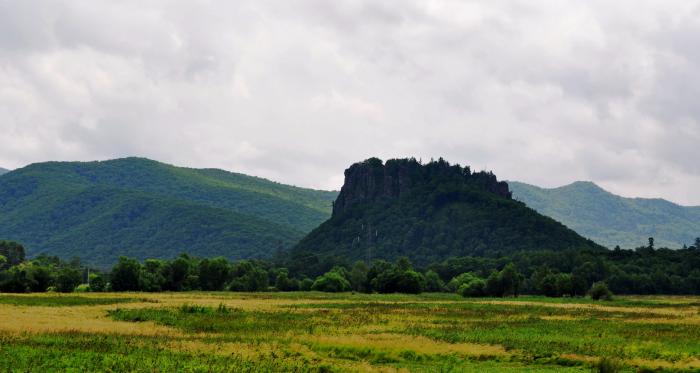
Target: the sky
(544, 92)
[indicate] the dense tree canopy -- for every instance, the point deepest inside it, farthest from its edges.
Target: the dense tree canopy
(645, 270)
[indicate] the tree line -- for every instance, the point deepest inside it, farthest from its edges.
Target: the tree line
(645, 270)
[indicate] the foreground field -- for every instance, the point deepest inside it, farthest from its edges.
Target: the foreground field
(347, 332)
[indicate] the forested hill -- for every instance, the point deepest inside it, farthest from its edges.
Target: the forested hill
(610, 219)
(142, 208)
(427, 212)
(3, 171)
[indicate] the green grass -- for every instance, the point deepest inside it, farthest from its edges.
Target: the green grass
(75, 352)
(221, 332)
(60, 300)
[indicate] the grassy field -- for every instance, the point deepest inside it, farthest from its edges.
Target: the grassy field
(212, 332)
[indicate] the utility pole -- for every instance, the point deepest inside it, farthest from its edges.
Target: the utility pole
(369, 243)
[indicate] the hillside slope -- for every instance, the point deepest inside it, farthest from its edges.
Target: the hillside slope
(610, 219)
(428, 213)
(143, 208)
(3, 170)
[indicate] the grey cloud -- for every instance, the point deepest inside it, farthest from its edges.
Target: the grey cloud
(544, 92)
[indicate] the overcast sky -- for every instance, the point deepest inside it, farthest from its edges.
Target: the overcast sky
(546, 92)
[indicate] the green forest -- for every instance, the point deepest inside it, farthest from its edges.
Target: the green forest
(145, 209)
(609, 219)
(400, 226)
(571, 273)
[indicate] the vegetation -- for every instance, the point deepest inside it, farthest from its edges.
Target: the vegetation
(645, 270)
(321, 332)
(428, 213)
(612, 220)
(145, 209)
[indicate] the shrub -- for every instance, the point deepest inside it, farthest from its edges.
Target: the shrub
(599, 290)
(82, 288)
(67, 279)
(305, 284)
(332, 282)
(433, 282)
(460, 280)
(608, 365)
(474, 288)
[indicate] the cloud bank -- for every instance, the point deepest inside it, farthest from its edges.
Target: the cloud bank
(545, 92)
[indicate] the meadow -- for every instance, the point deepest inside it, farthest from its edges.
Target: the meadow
(319, 332)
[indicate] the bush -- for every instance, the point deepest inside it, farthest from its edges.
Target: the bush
(305, 284)
(599, 290)
(460, 280)
(410, 282)
(82, 288)
(332, 282)
(67, 279)
(608, 365)
(474, 288)
(433, 282)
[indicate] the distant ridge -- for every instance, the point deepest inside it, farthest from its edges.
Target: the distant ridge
(3, 170)
(145, 209)
(428, 213)
(610, 219)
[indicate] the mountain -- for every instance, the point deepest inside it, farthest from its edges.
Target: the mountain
(428, 212)
(143, 208)
(610, 219)
(3, 171)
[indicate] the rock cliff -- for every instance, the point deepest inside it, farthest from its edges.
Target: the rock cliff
(372, 180)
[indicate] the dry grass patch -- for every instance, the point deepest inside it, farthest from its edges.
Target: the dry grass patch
(400, 342)
(87, 319)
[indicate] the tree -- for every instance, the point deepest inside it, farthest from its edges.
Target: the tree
(214, 273)
(97, 282)
(125, 275)
(538, 277)
(248, 276)
(358, 276)
(410, 282)
(331, 281)
(505, 282)
(404, 264)
(599, 291)
(67, 279)
(12, 251)
(39, 277)
(460, 280)
(510, 279)
(494, 287)
(151, 276)
(16, 281)
(651, 243)
(178, 273)
(305, 284)
(548, 286)
(474, 288)
(697, 243)
(284, 283)
(565, 284)
(433, 282)
(378, 267)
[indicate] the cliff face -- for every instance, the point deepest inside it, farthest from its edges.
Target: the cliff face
(428, 213)
(372, 180)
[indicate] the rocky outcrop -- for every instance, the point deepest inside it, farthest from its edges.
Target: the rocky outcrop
(372, 180)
